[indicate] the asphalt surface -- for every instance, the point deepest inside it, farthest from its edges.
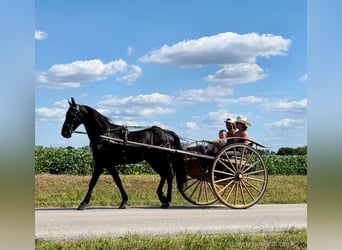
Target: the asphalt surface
(94, 222)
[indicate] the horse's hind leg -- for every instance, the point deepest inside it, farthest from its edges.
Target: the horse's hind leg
(118, 182)
(96, 174)
(169, 188)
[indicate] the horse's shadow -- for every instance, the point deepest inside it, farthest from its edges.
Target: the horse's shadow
(180, 207)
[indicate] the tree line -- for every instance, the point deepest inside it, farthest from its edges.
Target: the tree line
(286, 151)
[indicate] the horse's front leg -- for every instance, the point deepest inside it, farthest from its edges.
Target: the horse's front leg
(114, 173)
(161, 196)
(96, 174)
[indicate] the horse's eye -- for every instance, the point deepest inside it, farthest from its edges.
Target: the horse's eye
(72, 112)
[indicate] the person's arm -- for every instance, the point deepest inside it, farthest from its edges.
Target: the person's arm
(241, 137)
(245, 136)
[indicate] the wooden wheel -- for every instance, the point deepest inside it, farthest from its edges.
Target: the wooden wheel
(197, 187)
(198, 192)
(239, 176)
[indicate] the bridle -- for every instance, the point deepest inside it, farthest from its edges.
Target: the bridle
(77, 111)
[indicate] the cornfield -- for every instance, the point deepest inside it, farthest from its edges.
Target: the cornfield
(79, 161)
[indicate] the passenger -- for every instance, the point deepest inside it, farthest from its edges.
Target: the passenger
(221, 142)
(205, 164)
(231, 129)
(242, 123)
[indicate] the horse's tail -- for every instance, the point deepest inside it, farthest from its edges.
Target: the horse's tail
(178, 161)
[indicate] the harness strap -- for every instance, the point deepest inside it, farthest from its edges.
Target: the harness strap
(124, 130)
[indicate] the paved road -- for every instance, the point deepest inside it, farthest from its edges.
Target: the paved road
(68, 223)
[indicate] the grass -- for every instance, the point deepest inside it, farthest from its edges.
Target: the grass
(69, 190)
(285, 240)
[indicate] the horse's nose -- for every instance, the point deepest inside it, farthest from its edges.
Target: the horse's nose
(66, 132)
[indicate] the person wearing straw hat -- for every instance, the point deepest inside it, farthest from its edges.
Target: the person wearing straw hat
(242, 124)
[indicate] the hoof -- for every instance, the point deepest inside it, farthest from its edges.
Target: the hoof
(123, 206)
(165, 205)
(81, 207)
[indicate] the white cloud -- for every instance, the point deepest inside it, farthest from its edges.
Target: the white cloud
(237, 73)
(122, 109)
(56, 113)
(223, 48)
(303, 78)
(217, 118)
(241, 100)
(142, 105)
(216, 94)
(151, 99)
(48, 113)
(208, 94)
(285, 123)
(190, 125)
(40, 35)
(235, 53)
(130, 75)
(152, 111)
(130, 50)
(72, 75)
(286, 106)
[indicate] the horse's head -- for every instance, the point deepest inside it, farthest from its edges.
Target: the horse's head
(73, 118)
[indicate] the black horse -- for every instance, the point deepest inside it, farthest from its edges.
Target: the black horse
(108, 154)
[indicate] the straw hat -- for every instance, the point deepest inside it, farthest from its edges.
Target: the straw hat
(243, 120)
(230, 120)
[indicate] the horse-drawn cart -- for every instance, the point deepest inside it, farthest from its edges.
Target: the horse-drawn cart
(236, 176)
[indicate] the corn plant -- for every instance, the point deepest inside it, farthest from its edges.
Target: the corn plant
(79, 161)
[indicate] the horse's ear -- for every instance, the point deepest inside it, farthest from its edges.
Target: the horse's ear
(72, 103)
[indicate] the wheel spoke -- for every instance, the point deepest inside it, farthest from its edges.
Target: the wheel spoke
(198, 192)
(223, 180)
(198, 184)
(250, 166)
(223, 189)
(247, 189)
(227, 167)
(229, 160)
(192, 184)
(242, 159)
(206, 187)
(242, 194)
(253, 186)
(247, 176)
(223, 173)
(230, 191)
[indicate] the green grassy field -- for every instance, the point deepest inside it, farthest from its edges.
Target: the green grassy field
(69, 190)
(286, 240)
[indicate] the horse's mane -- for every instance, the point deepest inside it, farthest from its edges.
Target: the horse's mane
(104, 120)
(107, 123)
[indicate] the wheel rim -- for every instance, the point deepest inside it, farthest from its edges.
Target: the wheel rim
(198, 191)
(239, 176)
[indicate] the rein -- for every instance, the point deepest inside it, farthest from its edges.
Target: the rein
(80, 132)
(109, 130)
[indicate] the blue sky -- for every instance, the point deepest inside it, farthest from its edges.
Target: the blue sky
(182, 65)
